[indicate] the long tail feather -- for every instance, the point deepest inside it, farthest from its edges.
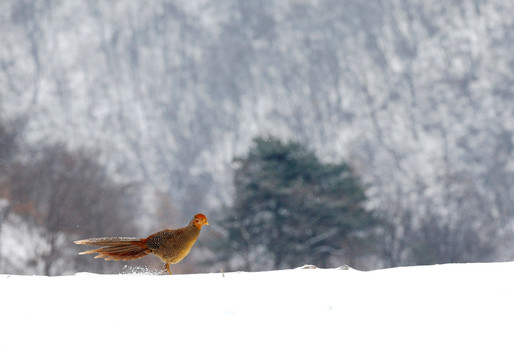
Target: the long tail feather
(108, 241)
(116, 248)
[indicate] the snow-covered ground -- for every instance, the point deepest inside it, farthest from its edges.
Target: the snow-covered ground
(433, 312)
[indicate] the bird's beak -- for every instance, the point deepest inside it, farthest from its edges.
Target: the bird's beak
(206, 222)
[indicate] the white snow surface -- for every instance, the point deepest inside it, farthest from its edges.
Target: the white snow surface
(430, 312)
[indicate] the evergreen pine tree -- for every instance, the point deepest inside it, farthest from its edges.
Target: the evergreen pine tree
(291, 208)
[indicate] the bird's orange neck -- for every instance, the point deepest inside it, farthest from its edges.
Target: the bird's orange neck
(198, 225)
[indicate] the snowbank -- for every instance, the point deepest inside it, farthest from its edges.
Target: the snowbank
(444, 311)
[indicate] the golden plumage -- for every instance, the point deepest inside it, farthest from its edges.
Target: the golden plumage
(171, 246)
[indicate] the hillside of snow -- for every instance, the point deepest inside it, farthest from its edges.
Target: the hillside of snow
(432, 312)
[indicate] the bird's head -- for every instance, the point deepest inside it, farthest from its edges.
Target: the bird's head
(200, 220)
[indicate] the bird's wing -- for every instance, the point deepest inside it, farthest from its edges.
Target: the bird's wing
(158, 239)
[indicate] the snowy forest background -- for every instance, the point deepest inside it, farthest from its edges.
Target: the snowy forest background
(124, 118)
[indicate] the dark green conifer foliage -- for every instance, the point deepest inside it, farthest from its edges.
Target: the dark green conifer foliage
(292, 208)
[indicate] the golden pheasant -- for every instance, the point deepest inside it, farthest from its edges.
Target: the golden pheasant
(171, 246)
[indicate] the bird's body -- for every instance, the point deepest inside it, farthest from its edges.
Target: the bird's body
(171, 246)
(173, 251)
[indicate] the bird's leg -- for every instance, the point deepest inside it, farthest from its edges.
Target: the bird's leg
(167, 267)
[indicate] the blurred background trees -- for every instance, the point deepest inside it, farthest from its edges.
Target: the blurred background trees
(63, 195)
(290, 209)
(414, 96)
